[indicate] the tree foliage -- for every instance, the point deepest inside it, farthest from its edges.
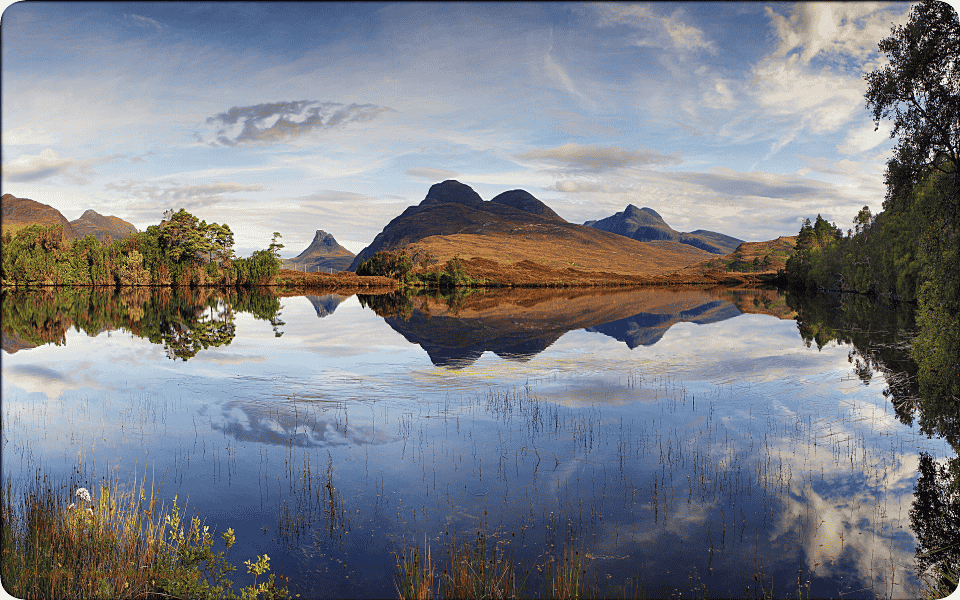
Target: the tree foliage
(919, 89)
(181, 251)
(387, 264)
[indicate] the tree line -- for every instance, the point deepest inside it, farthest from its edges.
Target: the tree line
(911, 250)
(181, 251)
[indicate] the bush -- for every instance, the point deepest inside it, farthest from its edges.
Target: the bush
(387, 264)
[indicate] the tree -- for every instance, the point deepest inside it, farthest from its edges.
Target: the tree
(920, 90)
(275, 245)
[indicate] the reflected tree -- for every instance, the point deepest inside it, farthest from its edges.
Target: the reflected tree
(935, 518)
(184, 321)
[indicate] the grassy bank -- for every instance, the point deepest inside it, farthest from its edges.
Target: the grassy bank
(106, 543)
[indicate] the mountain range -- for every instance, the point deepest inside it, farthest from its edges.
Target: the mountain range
(514, 226)
(518, 324)
(17, 213)
(645, 225)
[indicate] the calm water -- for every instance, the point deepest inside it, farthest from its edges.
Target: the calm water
(687, 440)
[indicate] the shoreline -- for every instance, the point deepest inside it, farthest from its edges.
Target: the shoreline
(512, 277)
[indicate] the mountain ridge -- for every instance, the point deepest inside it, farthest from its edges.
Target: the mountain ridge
(645, 225)
(514, 228)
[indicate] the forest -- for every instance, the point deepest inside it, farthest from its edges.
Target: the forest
(181, 251)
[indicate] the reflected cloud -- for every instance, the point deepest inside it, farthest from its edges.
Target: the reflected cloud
(299, 424)
(34, 378)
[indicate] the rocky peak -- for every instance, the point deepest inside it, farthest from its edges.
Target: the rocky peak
(452, 191)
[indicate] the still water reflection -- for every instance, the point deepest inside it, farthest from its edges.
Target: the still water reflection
(687, 440)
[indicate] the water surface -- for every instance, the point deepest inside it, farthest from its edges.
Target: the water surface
(687, 440)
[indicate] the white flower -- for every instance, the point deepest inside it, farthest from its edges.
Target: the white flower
(90, 510)
(71, 506)
(83, 494)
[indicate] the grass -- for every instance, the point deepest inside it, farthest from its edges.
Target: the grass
(112, 544)
(483, 567)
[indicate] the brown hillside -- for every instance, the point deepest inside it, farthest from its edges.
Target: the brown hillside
(741, 259)
(453, 220)
(17, 213)
(92, 222)
(559, 247)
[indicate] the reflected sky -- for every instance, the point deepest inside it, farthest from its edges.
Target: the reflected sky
(724, 449)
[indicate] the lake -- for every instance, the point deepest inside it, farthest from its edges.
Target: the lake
(686, 441)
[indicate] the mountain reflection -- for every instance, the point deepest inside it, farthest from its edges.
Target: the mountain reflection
(519, 324)
(646, 329)
(326, 304)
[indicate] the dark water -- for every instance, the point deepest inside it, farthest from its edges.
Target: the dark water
(689, 441)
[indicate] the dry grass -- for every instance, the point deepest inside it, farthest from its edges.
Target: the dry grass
(289, 280)
(560, 247)
(113, 544)
(483, 567)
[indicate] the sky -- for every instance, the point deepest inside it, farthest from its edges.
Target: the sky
(740, 118)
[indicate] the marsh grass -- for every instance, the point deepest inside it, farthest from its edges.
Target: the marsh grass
(114, 544)
(483, 566)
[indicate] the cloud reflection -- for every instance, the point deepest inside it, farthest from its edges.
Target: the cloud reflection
(299, 424)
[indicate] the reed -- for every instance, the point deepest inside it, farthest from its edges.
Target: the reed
(114, 544)
(483, 567)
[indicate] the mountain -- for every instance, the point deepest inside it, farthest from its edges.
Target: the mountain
(519, 323)
(323, 253)
(645, 225)
(326, 304)
(646, 328)
(17, 213)
(92, 222)
(517, 228)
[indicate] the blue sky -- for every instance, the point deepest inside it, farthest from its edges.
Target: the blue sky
(742, 118)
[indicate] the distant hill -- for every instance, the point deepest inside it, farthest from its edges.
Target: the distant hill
(17, 213)
(323, 253)
(645, 225)
(770, 256)
(515, 227)
(92, 222)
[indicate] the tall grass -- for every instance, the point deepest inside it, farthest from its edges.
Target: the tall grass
(483, 567)
(112, 544)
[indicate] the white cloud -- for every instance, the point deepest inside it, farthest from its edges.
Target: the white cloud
(30, 167)
(821, 101)
(432, 174)
(151, 198)
(598, 158)
(25, 135)
(658, 31)
(34, 167)
(572, 186)
(866, 137)
(144, 22)
(34, 378)
(279, 121)
(848, 28)
(557, 73)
